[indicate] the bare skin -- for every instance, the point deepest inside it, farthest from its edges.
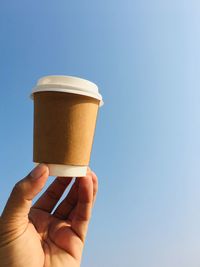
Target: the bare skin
(34, 235)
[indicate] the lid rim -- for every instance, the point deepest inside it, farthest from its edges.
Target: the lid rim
(67, 84)
(66, 90)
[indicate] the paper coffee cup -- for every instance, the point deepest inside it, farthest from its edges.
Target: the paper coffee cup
(65, 113)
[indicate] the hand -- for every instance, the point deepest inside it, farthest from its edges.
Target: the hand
(36, 237)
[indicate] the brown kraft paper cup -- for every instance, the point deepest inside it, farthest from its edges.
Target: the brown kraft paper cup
(64, 126)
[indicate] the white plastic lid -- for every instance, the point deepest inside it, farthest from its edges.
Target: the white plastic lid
(68, 84)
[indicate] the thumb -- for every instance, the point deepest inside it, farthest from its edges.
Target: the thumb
(20, 200)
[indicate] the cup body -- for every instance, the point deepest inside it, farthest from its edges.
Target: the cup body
(64, 127)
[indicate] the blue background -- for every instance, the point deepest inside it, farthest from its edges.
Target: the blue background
(144, 56)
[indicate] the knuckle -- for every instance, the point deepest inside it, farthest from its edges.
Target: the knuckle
(60, 215)
(51, 194)
(84, 218)
(19, 187)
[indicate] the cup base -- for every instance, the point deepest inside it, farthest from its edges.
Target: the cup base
(66, 170)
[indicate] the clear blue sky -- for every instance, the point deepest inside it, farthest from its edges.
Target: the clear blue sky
(145, 57)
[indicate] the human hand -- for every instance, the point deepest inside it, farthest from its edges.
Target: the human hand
(36, 237)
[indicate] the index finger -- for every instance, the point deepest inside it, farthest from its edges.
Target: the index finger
(52, 195)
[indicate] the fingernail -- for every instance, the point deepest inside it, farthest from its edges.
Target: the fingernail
(38, 171)
(88, 169)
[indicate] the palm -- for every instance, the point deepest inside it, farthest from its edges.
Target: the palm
(50, 235)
